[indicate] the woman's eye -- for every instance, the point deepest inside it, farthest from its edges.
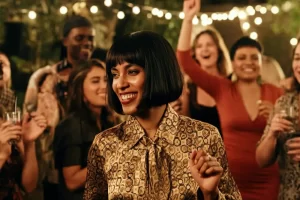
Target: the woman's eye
(133, 72)
(114, 75)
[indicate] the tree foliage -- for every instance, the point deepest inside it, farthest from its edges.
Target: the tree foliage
(287, 21)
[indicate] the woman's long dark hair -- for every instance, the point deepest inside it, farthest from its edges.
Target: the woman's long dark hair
(295, 84)
(75, 102)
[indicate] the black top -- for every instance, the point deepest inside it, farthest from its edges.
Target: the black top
(203, 113)
(73, 138)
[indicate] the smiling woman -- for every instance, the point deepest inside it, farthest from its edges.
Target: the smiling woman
(243, 105)
(134, 63)
(281, 142)
(151, 155)
(88, 116)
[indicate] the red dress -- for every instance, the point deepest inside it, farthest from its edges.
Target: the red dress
(240, 133)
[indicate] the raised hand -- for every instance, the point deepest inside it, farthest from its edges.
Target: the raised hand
(265, 108)
(8, 131)
(287, 83)
(33, 126)
(206, 171)
(177, 105)
(191, 8)
(279, 125)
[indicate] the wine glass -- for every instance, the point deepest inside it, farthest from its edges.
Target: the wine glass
(15, 118)
(290, 114)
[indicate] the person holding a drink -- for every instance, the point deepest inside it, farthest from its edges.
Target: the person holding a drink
(243, 105)
(18, 163)
(281, 139)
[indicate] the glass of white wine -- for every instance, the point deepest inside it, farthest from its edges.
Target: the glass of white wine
(15, 118)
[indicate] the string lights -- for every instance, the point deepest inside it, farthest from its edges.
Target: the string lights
(246, 15)
(32, 14)
(294, 41)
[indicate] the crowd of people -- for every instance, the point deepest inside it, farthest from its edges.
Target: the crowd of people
(148, 122)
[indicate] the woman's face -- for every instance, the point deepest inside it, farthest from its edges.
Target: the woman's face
(296, 63)
(94, 87)
(247, 62)
(206, 51)
(128, 84)
(4, 79)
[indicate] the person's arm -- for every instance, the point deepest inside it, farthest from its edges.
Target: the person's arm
(68, 153)
(227, 186)
(96, 183)
(266, 150)
(75, 177)
(33, 126)
(210, 83)
(30, 168)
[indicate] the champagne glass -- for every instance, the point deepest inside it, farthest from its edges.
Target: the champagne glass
(15, 118)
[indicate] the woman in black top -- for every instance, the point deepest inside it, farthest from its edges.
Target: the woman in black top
(210, 51)
(87, 117)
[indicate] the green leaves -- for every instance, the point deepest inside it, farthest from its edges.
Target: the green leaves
(287, 20)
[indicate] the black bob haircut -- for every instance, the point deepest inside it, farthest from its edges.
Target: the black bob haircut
(244, 41)
(163, 78)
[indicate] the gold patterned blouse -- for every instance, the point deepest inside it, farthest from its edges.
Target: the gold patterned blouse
(289, 170)
(124, 163)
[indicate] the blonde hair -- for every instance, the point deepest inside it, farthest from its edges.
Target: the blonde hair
(223, 63)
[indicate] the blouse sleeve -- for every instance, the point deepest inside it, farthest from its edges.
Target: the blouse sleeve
(227, 186)
(209, 83)
(67, 145)
(96, 182)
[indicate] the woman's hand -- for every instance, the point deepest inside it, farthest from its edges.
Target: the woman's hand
(279, 125)
(177, 105)
(206, 171)
(287, 83)
(8, 131)
(191, 8)
(33, 126)
(293, 146)
(265, 108)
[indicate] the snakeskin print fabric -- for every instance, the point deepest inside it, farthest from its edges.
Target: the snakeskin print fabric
(124, 163)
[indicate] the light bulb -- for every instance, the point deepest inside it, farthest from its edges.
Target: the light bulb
(181, 15)
(63, 10)
(32, 14)
(107, 3)
(121, 15)
(258, 20)
(168, 16)
(94, 9)
(294, 41)
(136, 10)
(246, 26)
(253, 35)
